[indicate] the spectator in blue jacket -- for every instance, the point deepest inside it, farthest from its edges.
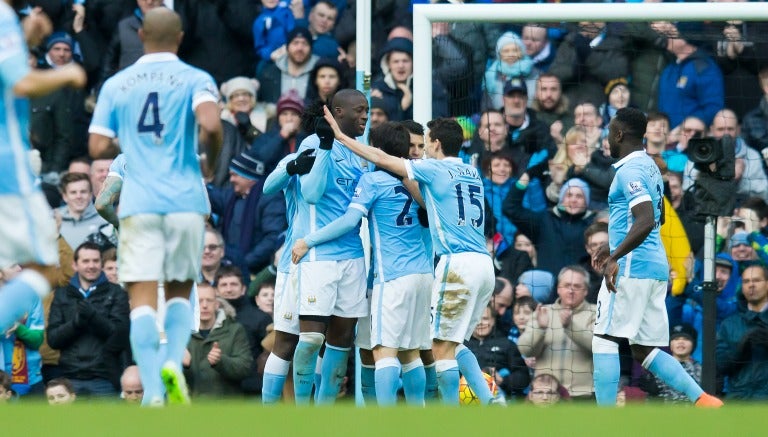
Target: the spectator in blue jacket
(250, 222)
(270, 30)
(691, 85)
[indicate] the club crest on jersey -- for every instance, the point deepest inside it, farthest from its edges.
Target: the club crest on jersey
(635, 187)
(358, 191)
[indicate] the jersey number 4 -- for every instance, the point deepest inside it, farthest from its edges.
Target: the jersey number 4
(149, 121)
(473, 191)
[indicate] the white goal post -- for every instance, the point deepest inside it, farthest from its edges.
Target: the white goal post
(425, 14)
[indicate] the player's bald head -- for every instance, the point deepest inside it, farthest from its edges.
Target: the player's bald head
(161, 28)
(347, 98)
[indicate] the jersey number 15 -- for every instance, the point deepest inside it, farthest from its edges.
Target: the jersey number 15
(473, 191)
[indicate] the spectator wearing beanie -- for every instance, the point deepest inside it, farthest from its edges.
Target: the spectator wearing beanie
(282, 138)
(557, 233)
(290, 70)
(250, 222)
(536, 283)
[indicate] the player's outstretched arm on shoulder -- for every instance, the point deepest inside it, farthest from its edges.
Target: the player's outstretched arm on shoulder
(42, 82)
(211, 134)
(372, 154)
(333, 230)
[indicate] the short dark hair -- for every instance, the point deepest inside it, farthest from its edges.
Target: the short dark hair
(70, 178)
(756, 265)
(528, 301)
(227, 271)
(594, 228)
(86, 246)
(413, 127)
(392, 138)
(64, 382)
(657, 115)
(501, 282)
(632, 121)
(758, 205)
(449, 133)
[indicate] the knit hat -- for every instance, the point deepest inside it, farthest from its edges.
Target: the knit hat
(290, 100)
(59, 37)
(684, 330)
(299, 32)
(737, 239)
(539, 282)
(613, 83)
(239, 83)
(247, 166)
(397, 45)
(574, 182)
(509, 38)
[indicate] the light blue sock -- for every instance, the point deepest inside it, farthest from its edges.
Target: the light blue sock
(19, 295)
(387, 381)
(473, 374)
(304, 359)
(605, 359)
(448, 381)
(145, 344)
(318, 374)
(368, 383)
(414, 382)
(178, 329)
(275, 373)
(333, 372)
(430, 391)
(669, 370)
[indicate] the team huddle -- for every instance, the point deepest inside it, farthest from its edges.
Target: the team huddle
(409, 317)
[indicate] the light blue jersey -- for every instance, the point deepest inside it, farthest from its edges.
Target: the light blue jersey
(453, 194)
(289, 192)
(15, 173)
(637, 180)
(34, 363)
(394, 227)
(150, 107)
(323, 195)
(118, 166)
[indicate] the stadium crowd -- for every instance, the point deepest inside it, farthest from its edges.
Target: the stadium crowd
(534, 102)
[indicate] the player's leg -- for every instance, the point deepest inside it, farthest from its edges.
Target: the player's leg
(140, 265)
(339, 339)
(654, 333)
(184, 234)
(367, 372)
(447, 370)
(605, 348)
(316, 290)
(475, 273)
(428, 359)
(286, 317)
(28, 235)
(367, 363)
(387, 375)
(350, 304)
(414, 377)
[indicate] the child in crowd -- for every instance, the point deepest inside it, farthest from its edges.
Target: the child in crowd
(682, 342)
(60, 391)
(265, 299)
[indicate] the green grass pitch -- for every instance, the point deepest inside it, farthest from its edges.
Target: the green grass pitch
(227, 419)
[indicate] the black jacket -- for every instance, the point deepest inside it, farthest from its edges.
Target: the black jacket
(90, 347)
(498, 352)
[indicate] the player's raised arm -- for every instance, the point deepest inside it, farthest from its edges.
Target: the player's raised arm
(371, 154)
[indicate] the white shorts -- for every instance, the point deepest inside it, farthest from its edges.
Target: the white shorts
(27, 231)
(363, 336)
(157, 247)
(286, 315)
(400, 312)
(333, 288)
(637, 311)
(462, 289)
